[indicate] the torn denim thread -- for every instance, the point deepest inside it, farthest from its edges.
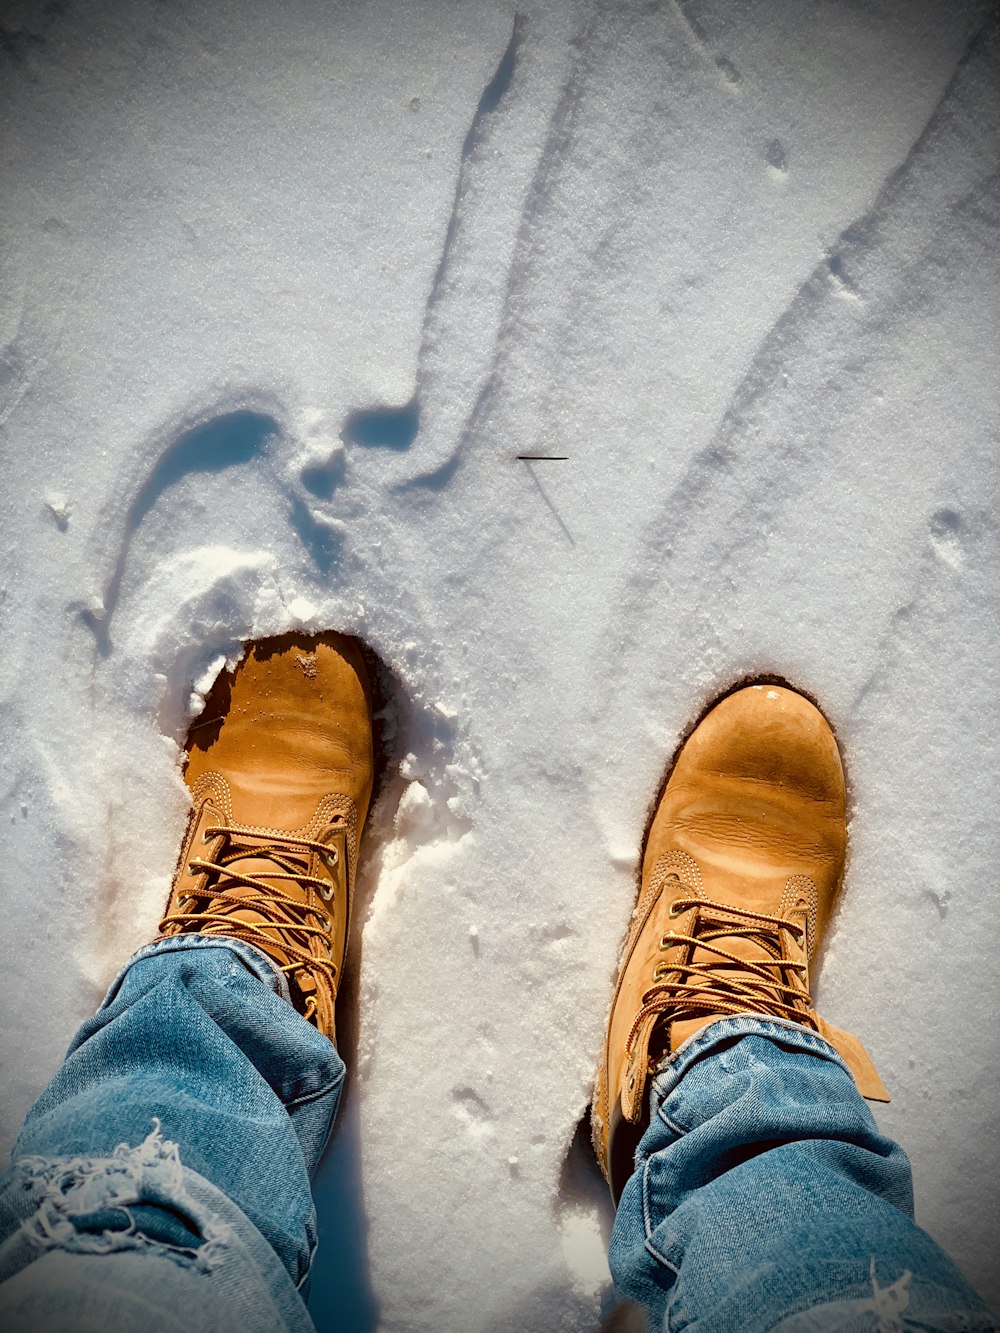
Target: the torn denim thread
(888, 1303)
(70, 1188)
(883, 1311)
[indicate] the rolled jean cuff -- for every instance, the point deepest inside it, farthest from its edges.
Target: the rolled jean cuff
(723, 1032)
(254, 959)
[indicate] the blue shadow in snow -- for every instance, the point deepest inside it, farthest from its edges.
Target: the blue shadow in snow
(340, 1296)
(225, 442)
(383, 427)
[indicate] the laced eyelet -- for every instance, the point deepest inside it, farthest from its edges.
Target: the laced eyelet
(676, 909)
(666, 941)
(330, 858)
(326, 894)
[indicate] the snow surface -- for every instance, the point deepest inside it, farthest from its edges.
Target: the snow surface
(286, 291)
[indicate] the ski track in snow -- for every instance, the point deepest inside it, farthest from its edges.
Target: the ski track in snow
(762, 336)
(817, 341)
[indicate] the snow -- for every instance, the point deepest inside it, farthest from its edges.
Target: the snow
(287, 290)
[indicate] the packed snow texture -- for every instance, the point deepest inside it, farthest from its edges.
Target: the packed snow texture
(287, 290)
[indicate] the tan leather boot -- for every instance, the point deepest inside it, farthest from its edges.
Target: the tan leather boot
(742, 866)
(280, 772)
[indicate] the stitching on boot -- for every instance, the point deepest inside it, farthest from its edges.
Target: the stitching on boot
(214, 784)
(801, 886)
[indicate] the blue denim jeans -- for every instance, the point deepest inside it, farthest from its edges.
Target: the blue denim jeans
(764, 1197)
(161, 1181)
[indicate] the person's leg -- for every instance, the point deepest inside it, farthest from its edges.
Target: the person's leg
(764, 1197)
(755, 1189)
(181, 1132)
(162, 1179)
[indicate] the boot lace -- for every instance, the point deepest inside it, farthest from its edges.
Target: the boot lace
(727, 983)
(288, 924)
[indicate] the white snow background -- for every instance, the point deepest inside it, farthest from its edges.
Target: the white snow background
(286, 290)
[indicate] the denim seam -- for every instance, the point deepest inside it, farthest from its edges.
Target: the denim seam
(312, 1253)
(672, 1124)
(306, 1097)
(647, 1220)
(661, 1258)
(192, 944)
(678, 1062)
(655, 1251)
(721, 1031)
(646, 1210)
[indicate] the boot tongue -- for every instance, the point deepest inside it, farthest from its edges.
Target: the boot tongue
(284, 775)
